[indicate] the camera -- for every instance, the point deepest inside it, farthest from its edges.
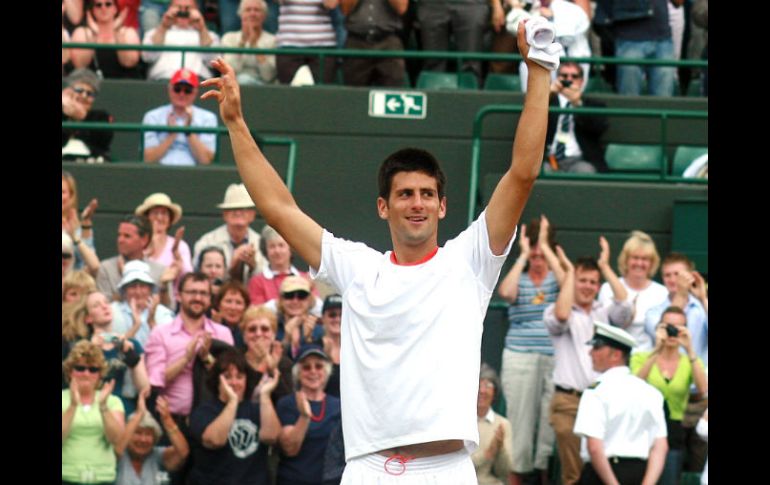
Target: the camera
(671, 330)
(566, 83)
(183, 13)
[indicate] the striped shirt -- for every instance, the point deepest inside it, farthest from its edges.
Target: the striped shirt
(305, 23)
(526, 332)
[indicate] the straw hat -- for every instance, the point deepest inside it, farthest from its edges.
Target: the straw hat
(159, 199)
(237, 197)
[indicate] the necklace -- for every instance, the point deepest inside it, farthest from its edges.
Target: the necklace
(321, 414)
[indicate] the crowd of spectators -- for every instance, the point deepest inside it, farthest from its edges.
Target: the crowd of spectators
(668, 29)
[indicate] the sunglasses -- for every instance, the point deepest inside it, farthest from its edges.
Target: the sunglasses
(83, 368)
(85, 92)
(333, 314)
(105, 5)
(66, 255)
(259, 328)
(299, 295)
(316, 366)
(179, 87)
(570, 76)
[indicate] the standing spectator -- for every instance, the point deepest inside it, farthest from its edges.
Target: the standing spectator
(91, 421)
(163, 213)
(105, 25)
(307, 419)
(700, 18)
(637, 263)
(174, 148)
(573, 141)
(76, 285)
(72, 13)
(238, 241)
(266, 286)
(620, 417)
(527, 369)
(672, 372)
(182, 25)
(703, 431)
(306, 24)
(65, 37)
(230, 433)
(80, 229)
(255, 69)
(465, 19)
(570, 322)
(374, 25)
(77, 99)
(493, 458)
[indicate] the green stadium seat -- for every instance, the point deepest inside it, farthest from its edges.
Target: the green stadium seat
(683, 157)
(447, 80)
(689, 478)
(597, 84)
(694, 90)
(502, 82)
(634, 158)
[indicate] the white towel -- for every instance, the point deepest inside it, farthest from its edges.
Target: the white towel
(540, 37)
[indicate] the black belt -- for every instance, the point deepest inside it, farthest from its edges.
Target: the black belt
(569, 391)
(371, 37)
(623, 459)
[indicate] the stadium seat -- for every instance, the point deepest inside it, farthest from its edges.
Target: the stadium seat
(447, 80)
(695, 90)
(597, 84)
(634, 158)
(683, 157)
(502, 82)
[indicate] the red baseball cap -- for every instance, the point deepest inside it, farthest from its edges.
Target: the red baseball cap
(185, 75)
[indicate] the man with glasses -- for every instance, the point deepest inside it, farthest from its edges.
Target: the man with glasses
(572, 142)
(570, 321)
(77, 99)
(172, 349)
(176, 148)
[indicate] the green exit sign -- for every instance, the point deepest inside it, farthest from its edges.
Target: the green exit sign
(398, 104)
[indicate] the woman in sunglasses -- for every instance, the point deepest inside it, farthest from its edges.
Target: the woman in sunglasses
(307, 419)
(77, 100)
(263, 352)
(105, 25)
(92, 419)
(298, 322)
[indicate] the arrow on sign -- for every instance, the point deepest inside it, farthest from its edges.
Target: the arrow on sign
(393, 104)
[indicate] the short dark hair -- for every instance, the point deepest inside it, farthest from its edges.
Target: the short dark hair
(571, 64)
(679, 258)
(206, 250)
(142, 223)
(224, 360)
(410, 160)
(673, 309)
(232, 285)
(587, 263)
(533, 233)
(193, 275)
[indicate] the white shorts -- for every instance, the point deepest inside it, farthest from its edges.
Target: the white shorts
(454, 468)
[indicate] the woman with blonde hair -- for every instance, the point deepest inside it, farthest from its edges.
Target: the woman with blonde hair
(263, 353)
(637, 264)
(76, 285)
(79, 230)
(92, 419)
(297, 324)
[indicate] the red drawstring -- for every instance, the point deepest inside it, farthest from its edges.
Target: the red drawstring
(402, 460)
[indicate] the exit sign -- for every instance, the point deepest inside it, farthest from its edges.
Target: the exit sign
(398, 104)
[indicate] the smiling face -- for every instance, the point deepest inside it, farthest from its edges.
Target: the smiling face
(671, 272)
(639, 263)
(278, 253)
(86, 375)
(312, 373)
(587, 282)
(160, 217)
(213, 265)
(67, 196)
(238, 219)
(236, 380)
(195, 298)
(231, 306)
(104, 10)
(413, 210)
(141, 443)
(258, 332)
(536, 259)
(138, 291)
(332, 319)
(252, 13)
(486, 394)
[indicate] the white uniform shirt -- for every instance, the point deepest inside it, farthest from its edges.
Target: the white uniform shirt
(623, 411)
(411, 340)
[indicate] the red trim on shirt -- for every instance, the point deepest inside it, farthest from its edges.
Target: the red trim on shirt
(423, 260)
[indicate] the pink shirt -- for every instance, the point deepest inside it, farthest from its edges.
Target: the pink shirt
(166, 345)
(267, 285)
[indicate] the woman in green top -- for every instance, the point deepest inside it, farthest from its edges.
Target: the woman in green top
(672, 372)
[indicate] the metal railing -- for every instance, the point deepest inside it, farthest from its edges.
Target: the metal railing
(663, 176)
(261, 140)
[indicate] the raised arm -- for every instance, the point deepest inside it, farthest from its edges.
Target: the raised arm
(512, 192)
(509, 287)
(618, 290)
(267, 189)
(566, 297)
(548, 254)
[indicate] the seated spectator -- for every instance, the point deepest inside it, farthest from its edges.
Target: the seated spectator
(229, 303)
(131, 7)
(493, 458)
(139, 310)
(73, 330)
(374, 25)
(254, 69)
(211, 263)
(297, 324)
(67, 255)
(331, 319)
(140, 459)
(263, 352)
(80, 229)
(264, 287)
(306, 24)
(573, 141)
(182, 25)
(175, 148)
(76, 285)
(65, 37)
(77, 99)
(229, 433)
(105, 26)
(307, 419)
(91, 420)
(238, 241)
(72, 13)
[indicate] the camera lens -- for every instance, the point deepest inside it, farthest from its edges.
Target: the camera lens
(672, 330)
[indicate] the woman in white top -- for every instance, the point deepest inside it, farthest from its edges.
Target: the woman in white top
(637, 263)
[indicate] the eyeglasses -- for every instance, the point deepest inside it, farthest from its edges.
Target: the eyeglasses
(196, 293)
(179, 87)
(105, 5)
(298, 294)
(66, 255)
(83, 368)
(316, 366)
(259, 328)
(85, 92)
(567, 75)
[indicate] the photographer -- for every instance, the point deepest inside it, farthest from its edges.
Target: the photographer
(672, 373)
(181, 25)
(572, 142)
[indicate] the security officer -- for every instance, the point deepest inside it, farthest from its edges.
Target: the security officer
(620, 417)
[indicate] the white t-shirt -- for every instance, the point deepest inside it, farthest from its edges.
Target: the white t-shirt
(411, 339)
(653, 295)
